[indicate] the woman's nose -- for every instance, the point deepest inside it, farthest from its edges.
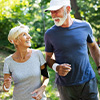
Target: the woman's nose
(29, 36)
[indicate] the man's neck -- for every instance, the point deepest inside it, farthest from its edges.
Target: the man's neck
(68, 22)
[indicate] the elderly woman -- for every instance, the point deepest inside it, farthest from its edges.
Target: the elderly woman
(25, 66)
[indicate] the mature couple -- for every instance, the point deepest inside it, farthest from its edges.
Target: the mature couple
(67, 40)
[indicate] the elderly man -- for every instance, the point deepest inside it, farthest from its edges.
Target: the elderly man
(68, 40)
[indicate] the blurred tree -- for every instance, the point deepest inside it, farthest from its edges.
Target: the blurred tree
(31, 13)
(10, 13)
(75, 9)
(90, 11)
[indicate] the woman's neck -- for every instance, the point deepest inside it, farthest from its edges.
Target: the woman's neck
(22, 53)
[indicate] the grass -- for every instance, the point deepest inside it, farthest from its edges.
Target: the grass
(96, 72)
(51, 89)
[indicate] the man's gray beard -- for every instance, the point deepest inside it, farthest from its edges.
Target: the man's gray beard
(61, 20)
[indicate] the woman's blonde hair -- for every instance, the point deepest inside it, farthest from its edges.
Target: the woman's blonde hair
(16, 31)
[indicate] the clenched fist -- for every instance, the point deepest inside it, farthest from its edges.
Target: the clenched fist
(63, 69)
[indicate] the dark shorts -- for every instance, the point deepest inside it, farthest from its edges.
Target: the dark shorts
(86, 91)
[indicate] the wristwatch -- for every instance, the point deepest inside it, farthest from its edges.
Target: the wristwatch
(98, 67)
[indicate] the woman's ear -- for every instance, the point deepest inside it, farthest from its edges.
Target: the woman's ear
(16, 42)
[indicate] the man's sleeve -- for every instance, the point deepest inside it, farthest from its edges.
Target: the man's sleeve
(48, 44)
(90, 37)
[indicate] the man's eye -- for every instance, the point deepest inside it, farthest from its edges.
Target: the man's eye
(23, 34)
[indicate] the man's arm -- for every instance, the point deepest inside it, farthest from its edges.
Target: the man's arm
(95, 53)
(49, 59)
(61, 69)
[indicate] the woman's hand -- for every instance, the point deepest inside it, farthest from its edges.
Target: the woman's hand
(39, 93)
(7, 82)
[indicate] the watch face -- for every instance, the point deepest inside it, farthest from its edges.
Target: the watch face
(98, 67)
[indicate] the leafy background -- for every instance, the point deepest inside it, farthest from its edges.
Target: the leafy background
(31, 13)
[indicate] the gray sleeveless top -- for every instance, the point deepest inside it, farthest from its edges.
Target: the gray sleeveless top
(26, 75)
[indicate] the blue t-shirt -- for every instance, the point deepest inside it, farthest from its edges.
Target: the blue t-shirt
(70, 46)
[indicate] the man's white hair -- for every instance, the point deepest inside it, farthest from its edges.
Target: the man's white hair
(16, 31)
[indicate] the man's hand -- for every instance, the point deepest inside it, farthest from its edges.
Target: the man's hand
(63, 69)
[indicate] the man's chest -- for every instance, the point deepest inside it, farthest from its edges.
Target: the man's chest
(69, 39)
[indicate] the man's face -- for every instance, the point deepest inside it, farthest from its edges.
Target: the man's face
(59, 16)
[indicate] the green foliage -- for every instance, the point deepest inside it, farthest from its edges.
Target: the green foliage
(41, 49)
(9, 15)
(96, 72)
(7, 95)
(28, 12)
(31, 13)
(51, 88)
(5, 25)
(90, 11)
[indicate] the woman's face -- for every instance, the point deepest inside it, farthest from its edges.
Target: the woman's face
(24, 40)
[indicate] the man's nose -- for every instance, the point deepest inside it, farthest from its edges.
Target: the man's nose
(54, 14)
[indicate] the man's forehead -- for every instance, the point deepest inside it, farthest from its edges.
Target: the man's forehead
(58, 9)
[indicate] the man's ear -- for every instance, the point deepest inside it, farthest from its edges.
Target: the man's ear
(68, 8)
